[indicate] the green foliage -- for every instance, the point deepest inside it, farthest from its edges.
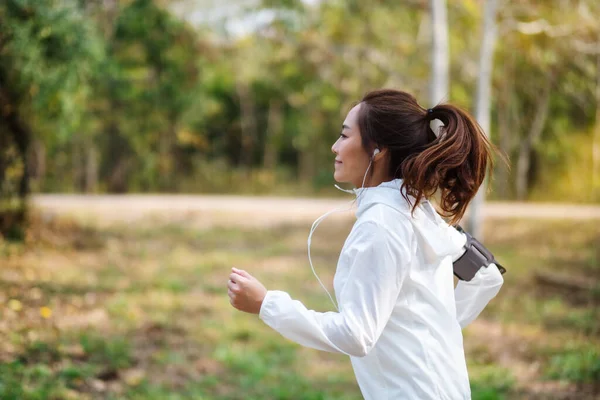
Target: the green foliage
(20, 382)
(490, 382)
(45, 371)
(567, 176)
(577, 364)
(49, 52)
(112, 354)
(127, 97)
(147, 89)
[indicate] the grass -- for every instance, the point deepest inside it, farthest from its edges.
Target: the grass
(141, 312)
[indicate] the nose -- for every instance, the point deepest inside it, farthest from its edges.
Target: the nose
(333, 149)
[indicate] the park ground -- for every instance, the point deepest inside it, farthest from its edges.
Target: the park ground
(125, 298)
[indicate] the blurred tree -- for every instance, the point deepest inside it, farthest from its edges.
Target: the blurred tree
(483, 100)
(440, 66)
(277, 78)
(550, 97)
(596, 138)
(47, 54)
(150, 82)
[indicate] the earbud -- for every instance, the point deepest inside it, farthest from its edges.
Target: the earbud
(375, 152)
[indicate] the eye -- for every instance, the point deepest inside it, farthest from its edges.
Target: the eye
(342, 135)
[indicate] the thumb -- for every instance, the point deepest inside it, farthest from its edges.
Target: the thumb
(241, 272)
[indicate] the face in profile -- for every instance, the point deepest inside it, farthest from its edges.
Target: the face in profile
(351, 159)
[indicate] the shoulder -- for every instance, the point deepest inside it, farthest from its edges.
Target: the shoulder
(387, 228)
(386, 219)
(378, 242)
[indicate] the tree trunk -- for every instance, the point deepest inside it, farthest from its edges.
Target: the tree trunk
(118, 162)
(12, 221)
(37, 161)
(76, 164)
(307, 164)
(118, 178)
(91, 168)
(529, 142)
(4, 145)
(21, 137)
(483, 105)
(504, 128)
(248, 125)
(165, 156)
(596, 138)
(440, 53)
(274, 130)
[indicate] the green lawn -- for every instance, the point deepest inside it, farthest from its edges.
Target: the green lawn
(141, 312)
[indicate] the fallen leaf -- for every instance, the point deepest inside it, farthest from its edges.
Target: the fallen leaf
(15, 305)
(134, 376)
(45, 312)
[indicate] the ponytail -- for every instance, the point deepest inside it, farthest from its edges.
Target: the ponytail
(455, 163)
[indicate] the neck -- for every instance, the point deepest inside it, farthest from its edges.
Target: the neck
(379, 174)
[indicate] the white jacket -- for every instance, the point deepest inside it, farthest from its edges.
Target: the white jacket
(400, 317)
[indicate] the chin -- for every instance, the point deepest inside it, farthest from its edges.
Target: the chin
(337, 178)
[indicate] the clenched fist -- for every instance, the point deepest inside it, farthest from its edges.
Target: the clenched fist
(245, 292)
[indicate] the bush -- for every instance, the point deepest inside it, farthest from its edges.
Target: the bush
(575, 365)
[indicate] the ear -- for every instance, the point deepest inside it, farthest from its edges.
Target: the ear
(380, 155)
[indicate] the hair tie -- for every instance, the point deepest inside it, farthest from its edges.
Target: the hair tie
(430, 110)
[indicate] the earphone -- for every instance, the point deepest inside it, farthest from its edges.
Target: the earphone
(375, 152)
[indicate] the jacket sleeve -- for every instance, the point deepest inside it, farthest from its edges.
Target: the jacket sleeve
(471, 297)
(377, 270)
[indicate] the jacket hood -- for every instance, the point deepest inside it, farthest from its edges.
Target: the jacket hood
(435, 236)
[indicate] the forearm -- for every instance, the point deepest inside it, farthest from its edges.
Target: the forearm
(473, 296)
(329, 331)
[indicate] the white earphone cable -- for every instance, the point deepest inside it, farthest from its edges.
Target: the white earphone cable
(321, 218)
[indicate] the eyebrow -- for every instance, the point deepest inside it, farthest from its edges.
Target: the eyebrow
(344, 126)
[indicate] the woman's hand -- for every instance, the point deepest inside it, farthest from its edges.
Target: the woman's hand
(245, 292)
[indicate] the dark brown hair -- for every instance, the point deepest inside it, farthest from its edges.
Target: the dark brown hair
(455, 162)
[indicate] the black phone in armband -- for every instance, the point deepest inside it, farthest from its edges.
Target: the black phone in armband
(475, 257)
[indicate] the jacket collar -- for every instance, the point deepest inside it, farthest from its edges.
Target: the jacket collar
(431, 231)
(389, 193)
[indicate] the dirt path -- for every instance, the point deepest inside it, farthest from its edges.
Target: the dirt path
(208, 210)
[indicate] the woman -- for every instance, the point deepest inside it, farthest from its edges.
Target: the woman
(399, 317)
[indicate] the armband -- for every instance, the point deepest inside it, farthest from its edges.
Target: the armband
(476, 255)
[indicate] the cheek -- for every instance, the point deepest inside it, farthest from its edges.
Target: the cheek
(347, 148)
(355, 153)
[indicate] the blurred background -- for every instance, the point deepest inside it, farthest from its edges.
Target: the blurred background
(147, 146)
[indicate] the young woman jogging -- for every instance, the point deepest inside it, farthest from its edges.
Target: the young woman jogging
(399, 316)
